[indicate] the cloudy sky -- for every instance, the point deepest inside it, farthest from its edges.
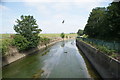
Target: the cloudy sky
(49, 13)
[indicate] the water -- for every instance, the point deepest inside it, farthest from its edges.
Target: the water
(62, 60)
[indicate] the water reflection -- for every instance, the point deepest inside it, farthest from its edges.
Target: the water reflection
(62, 60)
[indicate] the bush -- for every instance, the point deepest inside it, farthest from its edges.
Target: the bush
(45, 41)
(105, 49)
(20, 42)
(5, 46)
(62, 35)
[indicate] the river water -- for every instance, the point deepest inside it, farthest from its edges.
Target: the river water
(62, 60)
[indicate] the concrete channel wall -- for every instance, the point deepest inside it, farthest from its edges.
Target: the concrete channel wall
(18, 55)
(106, 66)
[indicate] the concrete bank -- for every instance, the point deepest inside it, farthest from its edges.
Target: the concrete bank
(106, 66)
(18, 55)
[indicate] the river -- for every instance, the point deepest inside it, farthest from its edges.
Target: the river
(62, 60)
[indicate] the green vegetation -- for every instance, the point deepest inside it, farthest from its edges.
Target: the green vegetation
(45, 41)
(110, 52)
(62, 35)
(50, 35)
(4, 47)
(20, 42)
(28, 36)
(80, 32)
(104, 49)
(104, 23)
(28, 30)
(5, 36)
(85, 36)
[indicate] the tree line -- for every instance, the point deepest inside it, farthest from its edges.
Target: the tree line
(104, 23)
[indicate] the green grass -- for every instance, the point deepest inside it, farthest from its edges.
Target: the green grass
(4, 36)
(50, 35)
(56, 35)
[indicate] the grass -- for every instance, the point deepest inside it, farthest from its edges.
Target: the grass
(109, 52)
(56, 35)
(4, 45)
(4, 36)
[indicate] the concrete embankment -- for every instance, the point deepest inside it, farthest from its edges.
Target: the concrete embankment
(106, 66)
(15, 55)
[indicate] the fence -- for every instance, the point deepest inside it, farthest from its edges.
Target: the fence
(110, 45)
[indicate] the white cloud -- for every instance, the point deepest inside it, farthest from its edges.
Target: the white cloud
(61, 12)
(52, 12)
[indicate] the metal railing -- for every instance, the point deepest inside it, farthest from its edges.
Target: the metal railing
(110, 45)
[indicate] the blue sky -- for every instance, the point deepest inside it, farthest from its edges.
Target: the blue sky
(49, 14)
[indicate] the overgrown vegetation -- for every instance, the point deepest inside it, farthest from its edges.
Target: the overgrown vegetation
(5, 46)
(45, 41)
(104, 49)
(107, 51)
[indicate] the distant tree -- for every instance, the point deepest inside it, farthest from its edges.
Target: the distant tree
(80, 32)
(62, 35)
(28, 28)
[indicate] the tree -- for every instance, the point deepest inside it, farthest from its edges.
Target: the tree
(104, 23)
(93, 25)
(62, 35)
(28, 28)
(80, 32)
(113, 17)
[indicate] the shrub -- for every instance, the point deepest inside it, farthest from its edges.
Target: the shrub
(20, 42)
(5, 46)
(45, 41)
(105, 49)
(62, 35)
